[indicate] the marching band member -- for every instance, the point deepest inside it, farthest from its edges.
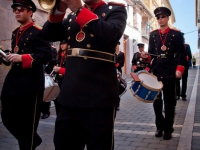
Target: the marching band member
(168, 45)
(22, 92)
(48, 69)
(60, 68)
(89, 91)
(141, 59)
(182, 91)
(119, 58)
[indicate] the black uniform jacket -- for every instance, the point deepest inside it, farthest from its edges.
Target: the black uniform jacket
(27, 76)
(90, 82)
(189, 55)
(120, 60)
(139, 61)
(164, 66)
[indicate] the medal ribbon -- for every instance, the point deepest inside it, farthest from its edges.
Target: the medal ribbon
(163, 41)
(24, 29)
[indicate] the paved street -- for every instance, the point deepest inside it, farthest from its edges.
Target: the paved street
(134, 124)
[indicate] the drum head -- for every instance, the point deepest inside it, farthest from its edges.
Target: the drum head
(150, 80)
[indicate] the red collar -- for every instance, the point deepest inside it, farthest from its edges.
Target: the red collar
(93, 6)
(27, 26)
(63, 53)
(164, 32)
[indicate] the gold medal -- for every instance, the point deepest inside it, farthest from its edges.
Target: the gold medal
(16, 49)
(80, 36)
(163, 47)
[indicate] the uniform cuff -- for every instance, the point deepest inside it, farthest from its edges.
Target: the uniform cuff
(85, 16)
(62, 71)
(180, 68)
(56, 18)
(27, 61)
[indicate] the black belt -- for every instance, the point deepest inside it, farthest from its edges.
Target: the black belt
(165, 55)
(93, 54)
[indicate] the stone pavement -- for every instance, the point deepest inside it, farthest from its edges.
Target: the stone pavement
(134, 124)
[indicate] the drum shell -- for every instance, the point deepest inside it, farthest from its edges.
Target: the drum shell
(52, 89)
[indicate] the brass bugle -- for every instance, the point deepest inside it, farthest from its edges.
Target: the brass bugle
(47, 4)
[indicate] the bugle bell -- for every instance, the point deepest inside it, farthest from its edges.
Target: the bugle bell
(47, 4)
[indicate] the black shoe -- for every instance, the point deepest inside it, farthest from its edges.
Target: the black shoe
(184, 98)
(158, 133)
(167, 136)
(45, 116)
(177, 97)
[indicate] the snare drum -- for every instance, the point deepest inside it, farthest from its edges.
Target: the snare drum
(147, 89)
(52, 89)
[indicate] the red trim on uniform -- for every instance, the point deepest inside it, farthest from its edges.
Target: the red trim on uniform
(147, 69)
(27, 61)
(164, 32)
(56, 18)
(180, 68)
(148, 59)
(85, 16)
(187, 58)
(134, 67)
(62, 71)
(117, 64)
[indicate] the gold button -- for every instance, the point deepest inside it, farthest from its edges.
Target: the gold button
(17, 64)
(24, 43)
(13, 34)
(70, 20)
(69, 37)
(166, 53)
(167, 48)
(27, 39)
(22, 51)
(170, 39)
(69, 28)
(103, 15)
(72, 13)
(169, 43)
(173, 35)
(85, 25)
(68, 46)
(88, 45)
(92, 35)
(110, 7)
(30, 33)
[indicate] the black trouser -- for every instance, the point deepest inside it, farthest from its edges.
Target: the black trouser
(20, 115)
(165, 123)
(46, 107)
(184, 84)
(77, 127)
(57, 106)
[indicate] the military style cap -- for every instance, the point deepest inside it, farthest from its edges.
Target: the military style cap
(63, 41)
(162, 10)
(140, 45)
(24, 3)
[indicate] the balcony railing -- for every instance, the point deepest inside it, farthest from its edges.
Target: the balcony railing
(146, 28)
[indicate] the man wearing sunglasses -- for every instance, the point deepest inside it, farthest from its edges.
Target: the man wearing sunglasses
(168, 64)
(22, 92)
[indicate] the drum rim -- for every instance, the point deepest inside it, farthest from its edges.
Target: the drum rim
(139, 98)
(148, 87)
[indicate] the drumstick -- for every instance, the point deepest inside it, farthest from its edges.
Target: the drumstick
(51, 72)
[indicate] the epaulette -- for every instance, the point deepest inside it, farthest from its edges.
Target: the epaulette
(154, 30)
(116, 4)
(175, 29)
(37, 26)
(15, 29)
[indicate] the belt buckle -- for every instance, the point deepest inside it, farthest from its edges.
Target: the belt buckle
(75, 51)
(162, 55)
